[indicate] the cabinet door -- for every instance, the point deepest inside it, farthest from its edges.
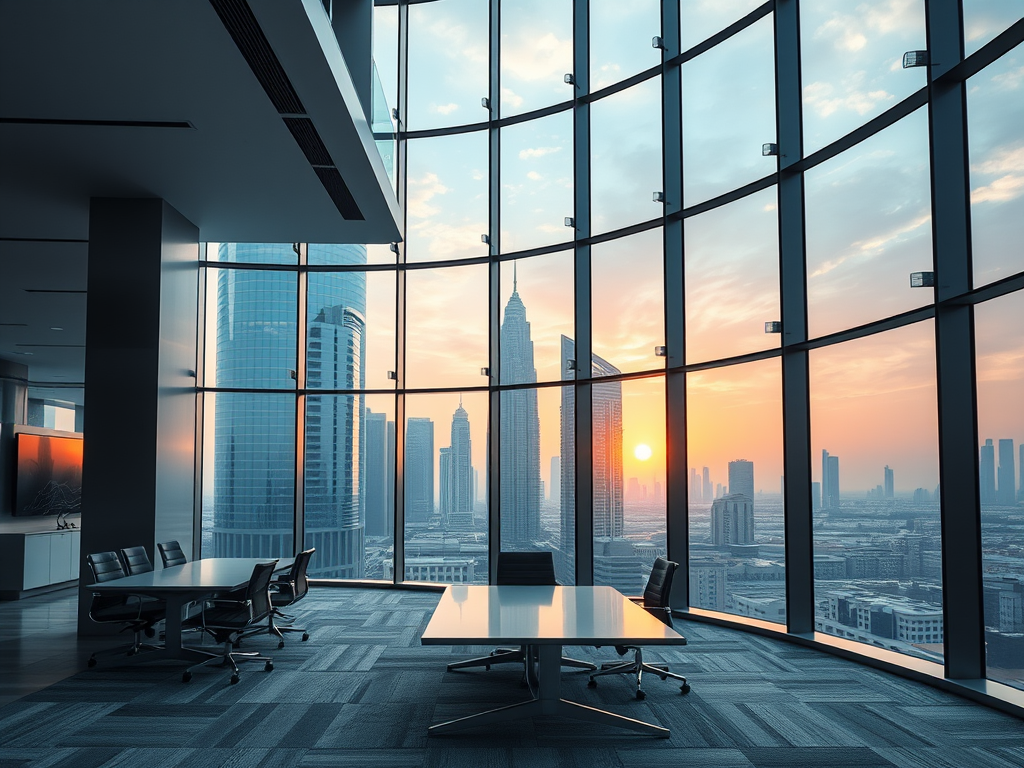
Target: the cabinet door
(60, 557)
(76, 554)
(37, 561)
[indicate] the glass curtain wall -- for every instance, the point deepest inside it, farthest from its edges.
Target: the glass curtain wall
(797, 279)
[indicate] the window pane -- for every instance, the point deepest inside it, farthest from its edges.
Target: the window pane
(625, 159)
(629, 482)
(877, 533)
(349, 484)
(699, 21)
(995, 115)
(536, 53)
(445, 489)
(350, 331)
(868, 227)
(446, 326)
(1000, 370)
(536, 183)
(532, 501)
(737, 520)
(252, 253)
(448, 63)
(251, 328)
(385, 50)
(620, 39)
(729, 113)
(628, 303)
(537, 313)
(732, 278)
(249, 491)
(851, 58)
(322, 254)
(984, 19)
(447, 197)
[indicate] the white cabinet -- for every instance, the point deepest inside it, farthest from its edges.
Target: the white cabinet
(37, 561)
(60, 557)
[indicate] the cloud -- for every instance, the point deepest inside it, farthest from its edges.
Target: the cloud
(444, 109)
(1007, 163)
(1009, 81)
(1004, 160)
(1001, 190)
(819, 97)
(875, 246)
(531, 57)
(534, 176)
(508, 96)
(531, 152)
(420, 192)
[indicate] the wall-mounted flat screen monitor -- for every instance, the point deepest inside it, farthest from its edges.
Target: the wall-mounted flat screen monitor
(49, 475)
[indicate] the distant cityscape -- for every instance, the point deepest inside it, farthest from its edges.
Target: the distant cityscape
(877, 557)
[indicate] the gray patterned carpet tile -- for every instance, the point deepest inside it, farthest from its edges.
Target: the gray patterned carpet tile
(363, 691)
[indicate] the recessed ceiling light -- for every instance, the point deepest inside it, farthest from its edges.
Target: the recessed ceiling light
(56, 328)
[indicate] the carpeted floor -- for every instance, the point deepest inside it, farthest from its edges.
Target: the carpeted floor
(363, 690)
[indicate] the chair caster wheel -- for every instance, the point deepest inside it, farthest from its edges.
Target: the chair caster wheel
(685, 688)
(305, 636)
(280, 644)
(234, 679)
(664, 677)
(149, 632)
(640, 695)
(269, 666)
(592, 684)
(91, 662)
(487, 667)
(186, 676)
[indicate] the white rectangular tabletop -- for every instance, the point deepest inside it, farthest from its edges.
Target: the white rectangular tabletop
(482, 615)
(211, 574)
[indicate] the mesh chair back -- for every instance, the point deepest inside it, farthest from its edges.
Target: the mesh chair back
(171, 554)
(105, 566)
(659, 587)
(136, 559)
(300, 584)
(526, 569)
(258, 590)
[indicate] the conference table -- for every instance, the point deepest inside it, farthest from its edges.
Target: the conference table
(180, 585)
(545, 618)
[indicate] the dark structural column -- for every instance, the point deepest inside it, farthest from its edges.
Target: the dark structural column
(583, 552)
(675, 320)
(139, 466)
(954, 347)
(494, 301)
(796, 430)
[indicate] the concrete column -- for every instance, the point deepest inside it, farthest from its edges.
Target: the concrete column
(138, 478)
(13, 393)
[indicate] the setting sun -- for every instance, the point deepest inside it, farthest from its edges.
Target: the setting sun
(642, 452)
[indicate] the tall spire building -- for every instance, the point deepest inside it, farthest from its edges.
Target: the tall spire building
(456, 473)
(520, 432)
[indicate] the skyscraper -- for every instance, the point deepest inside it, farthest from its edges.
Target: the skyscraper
(708, 491)
(555, 488)
(457, 475)
(1006, 493)
(890, 485)
(254, 486)
(987, 473)
(741, 478)
(419, 470)
(815, 497)
(732, 520)
(379, 475)
(1020, 493)
(520, 432)
(829, 481)
(607, 476)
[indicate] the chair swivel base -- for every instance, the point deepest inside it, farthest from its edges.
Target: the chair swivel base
(638, 667)
(230, 659)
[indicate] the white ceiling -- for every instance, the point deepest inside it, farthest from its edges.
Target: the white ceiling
(237, 173)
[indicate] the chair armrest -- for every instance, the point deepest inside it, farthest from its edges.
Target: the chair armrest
(219, 603)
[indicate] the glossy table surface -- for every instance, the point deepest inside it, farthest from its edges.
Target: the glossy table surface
(209, 574)
(481, 615)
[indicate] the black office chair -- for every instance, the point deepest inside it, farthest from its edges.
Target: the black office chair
(226, 620)
(527, 569)
(287, 589)
(171, 554)
(656, 602)
(137, 613)
(136, 560)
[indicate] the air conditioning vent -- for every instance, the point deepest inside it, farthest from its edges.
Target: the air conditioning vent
(339, 192)
(240, 22)
(309, 140)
